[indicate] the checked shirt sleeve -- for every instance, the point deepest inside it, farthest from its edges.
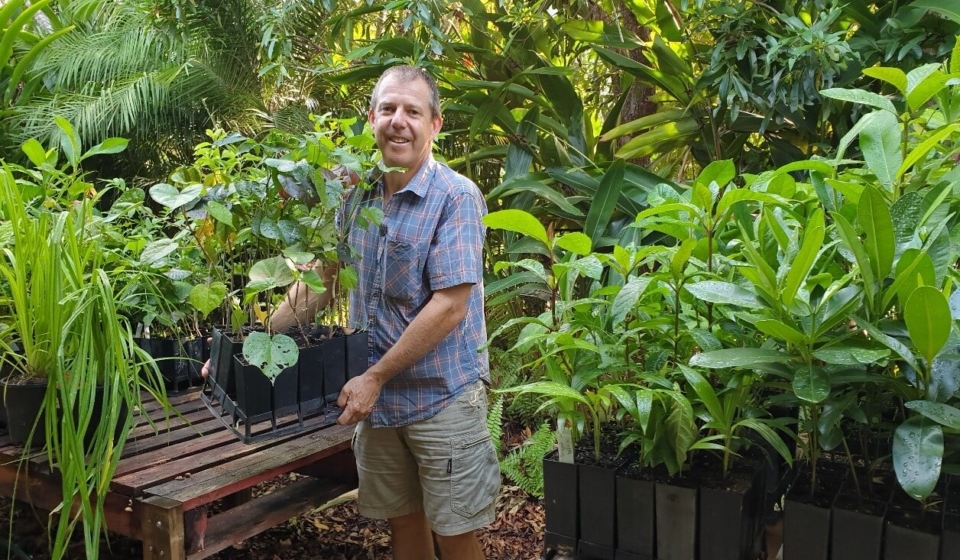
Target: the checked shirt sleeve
(456, 252)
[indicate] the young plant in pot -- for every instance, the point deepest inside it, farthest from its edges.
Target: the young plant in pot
(75, 349)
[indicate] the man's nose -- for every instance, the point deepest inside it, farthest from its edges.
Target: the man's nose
(398, 119)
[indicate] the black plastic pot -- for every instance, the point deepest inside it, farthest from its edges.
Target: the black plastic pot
(597, 501)
(676, 521)
(857, 525)
(24, 403)
(560, 505)
(358, 354)
(730, 519)
(310, 365)
(636, 529)
(334, 367)
(807, 519)
(911, 532)
(221, 378)
(258, 400)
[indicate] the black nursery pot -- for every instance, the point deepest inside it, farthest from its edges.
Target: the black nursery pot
(911, 532)
(636, 530)
(857, 527)
(334, 367)
(560, 504)
(24, 403)
(807, 518)
(676, 520)
(730, 517)
(597, 485)
(310, 379)
(254, 399)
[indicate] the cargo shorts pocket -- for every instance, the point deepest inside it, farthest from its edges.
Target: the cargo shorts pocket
(474, 476)
(401, 277)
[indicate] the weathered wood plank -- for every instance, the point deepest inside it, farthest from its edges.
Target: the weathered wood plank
(162, 529)
(252, 469)
(256, 516)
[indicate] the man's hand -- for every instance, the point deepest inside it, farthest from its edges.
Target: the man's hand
(357, 398)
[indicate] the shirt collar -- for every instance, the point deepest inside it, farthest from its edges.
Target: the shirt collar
(420, 182)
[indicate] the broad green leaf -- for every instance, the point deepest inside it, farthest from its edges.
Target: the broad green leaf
(721, 172)
(69, 140)
(518, 221)
(602, 207)
(205, 298)
(924, 89)
(867, 98)
(576, 242)
(927, 315)
(893, 76)
(924, 147)
(301, 258)
(728, 293)
(941, 413)
(738, 357)
(780, 331)
(852, 242)
(850, 355)
(944, 377)
(810, 383)
(759, 426)
(874, 216)
(274, 269)
(805, 259)
(880, 144)
(898, 347)
(313, 281)
(733, 196)
(220, 212)
(108, 146)
(272, 354)
(601, 33)
(171, 198)
(627, 297)
(914, 269)
(918, 455)
(704, 391)
(155, 253)
(34, 150)
(643, 123)
(682, 255)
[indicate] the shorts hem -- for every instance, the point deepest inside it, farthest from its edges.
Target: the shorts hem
(384, 514)
(478, 522)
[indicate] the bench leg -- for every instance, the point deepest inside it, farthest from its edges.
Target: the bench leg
(162, 526)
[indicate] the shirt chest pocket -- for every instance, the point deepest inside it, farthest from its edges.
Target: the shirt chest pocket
(401, 278)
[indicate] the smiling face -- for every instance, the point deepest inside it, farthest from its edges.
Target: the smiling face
(404, 123)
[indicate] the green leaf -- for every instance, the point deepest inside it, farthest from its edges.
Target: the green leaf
(918, 455)
(272, 354)
(927, 315)
(941, 413)
(949, 10)
(601, 33)
(893, 76)
(850, 355)
(810, 383)
(867, 98)
(69, 140)
(576, 242)
(274, 269)
(219, 212)
(852, 241)
(738, 357)
(627, 297)
(313, 281)
(603, 205)
(806, 257)
(171, 198)
(719, 172)
(108, 146)
(922, 87)
(205, 298)
(780, 331)
(880, 144)
(880, 243)
(155, 253)
(704, 391)
(898, 347)
(715, 291)
(518, 221)
(924, 147)
(35, 151)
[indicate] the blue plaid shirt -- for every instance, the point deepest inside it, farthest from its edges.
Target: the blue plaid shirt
(431, 238)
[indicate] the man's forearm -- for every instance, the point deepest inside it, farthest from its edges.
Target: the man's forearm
(445, 310)
(301, 304)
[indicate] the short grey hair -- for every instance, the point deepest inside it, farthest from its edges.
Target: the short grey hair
(406, 74)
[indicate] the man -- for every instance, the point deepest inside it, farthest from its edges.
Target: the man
(423, 451)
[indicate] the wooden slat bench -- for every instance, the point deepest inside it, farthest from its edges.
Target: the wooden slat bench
(168, 477)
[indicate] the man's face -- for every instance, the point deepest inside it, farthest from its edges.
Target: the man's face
(403, 124)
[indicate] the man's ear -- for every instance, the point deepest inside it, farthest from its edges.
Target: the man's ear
(437, 125)
(370, 116)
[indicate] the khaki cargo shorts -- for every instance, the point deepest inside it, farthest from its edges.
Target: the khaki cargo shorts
(445, 466)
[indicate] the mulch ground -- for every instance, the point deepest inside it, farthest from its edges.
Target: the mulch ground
(337, 532)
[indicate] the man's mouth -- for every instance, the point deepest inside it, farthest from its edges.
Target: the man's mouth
(397, 140)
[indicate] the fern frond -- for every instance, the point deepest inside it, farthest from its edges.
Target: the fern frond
(495, 425)
(524, 465)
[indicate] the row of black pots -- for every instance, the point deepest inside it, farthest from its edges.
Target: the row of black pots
(179, 360)
(880, 522)
(24, 412)
(246, 395)
(616, 515)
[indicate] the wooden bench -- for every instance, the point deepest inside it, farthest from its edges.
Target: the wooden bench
(168, 478)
